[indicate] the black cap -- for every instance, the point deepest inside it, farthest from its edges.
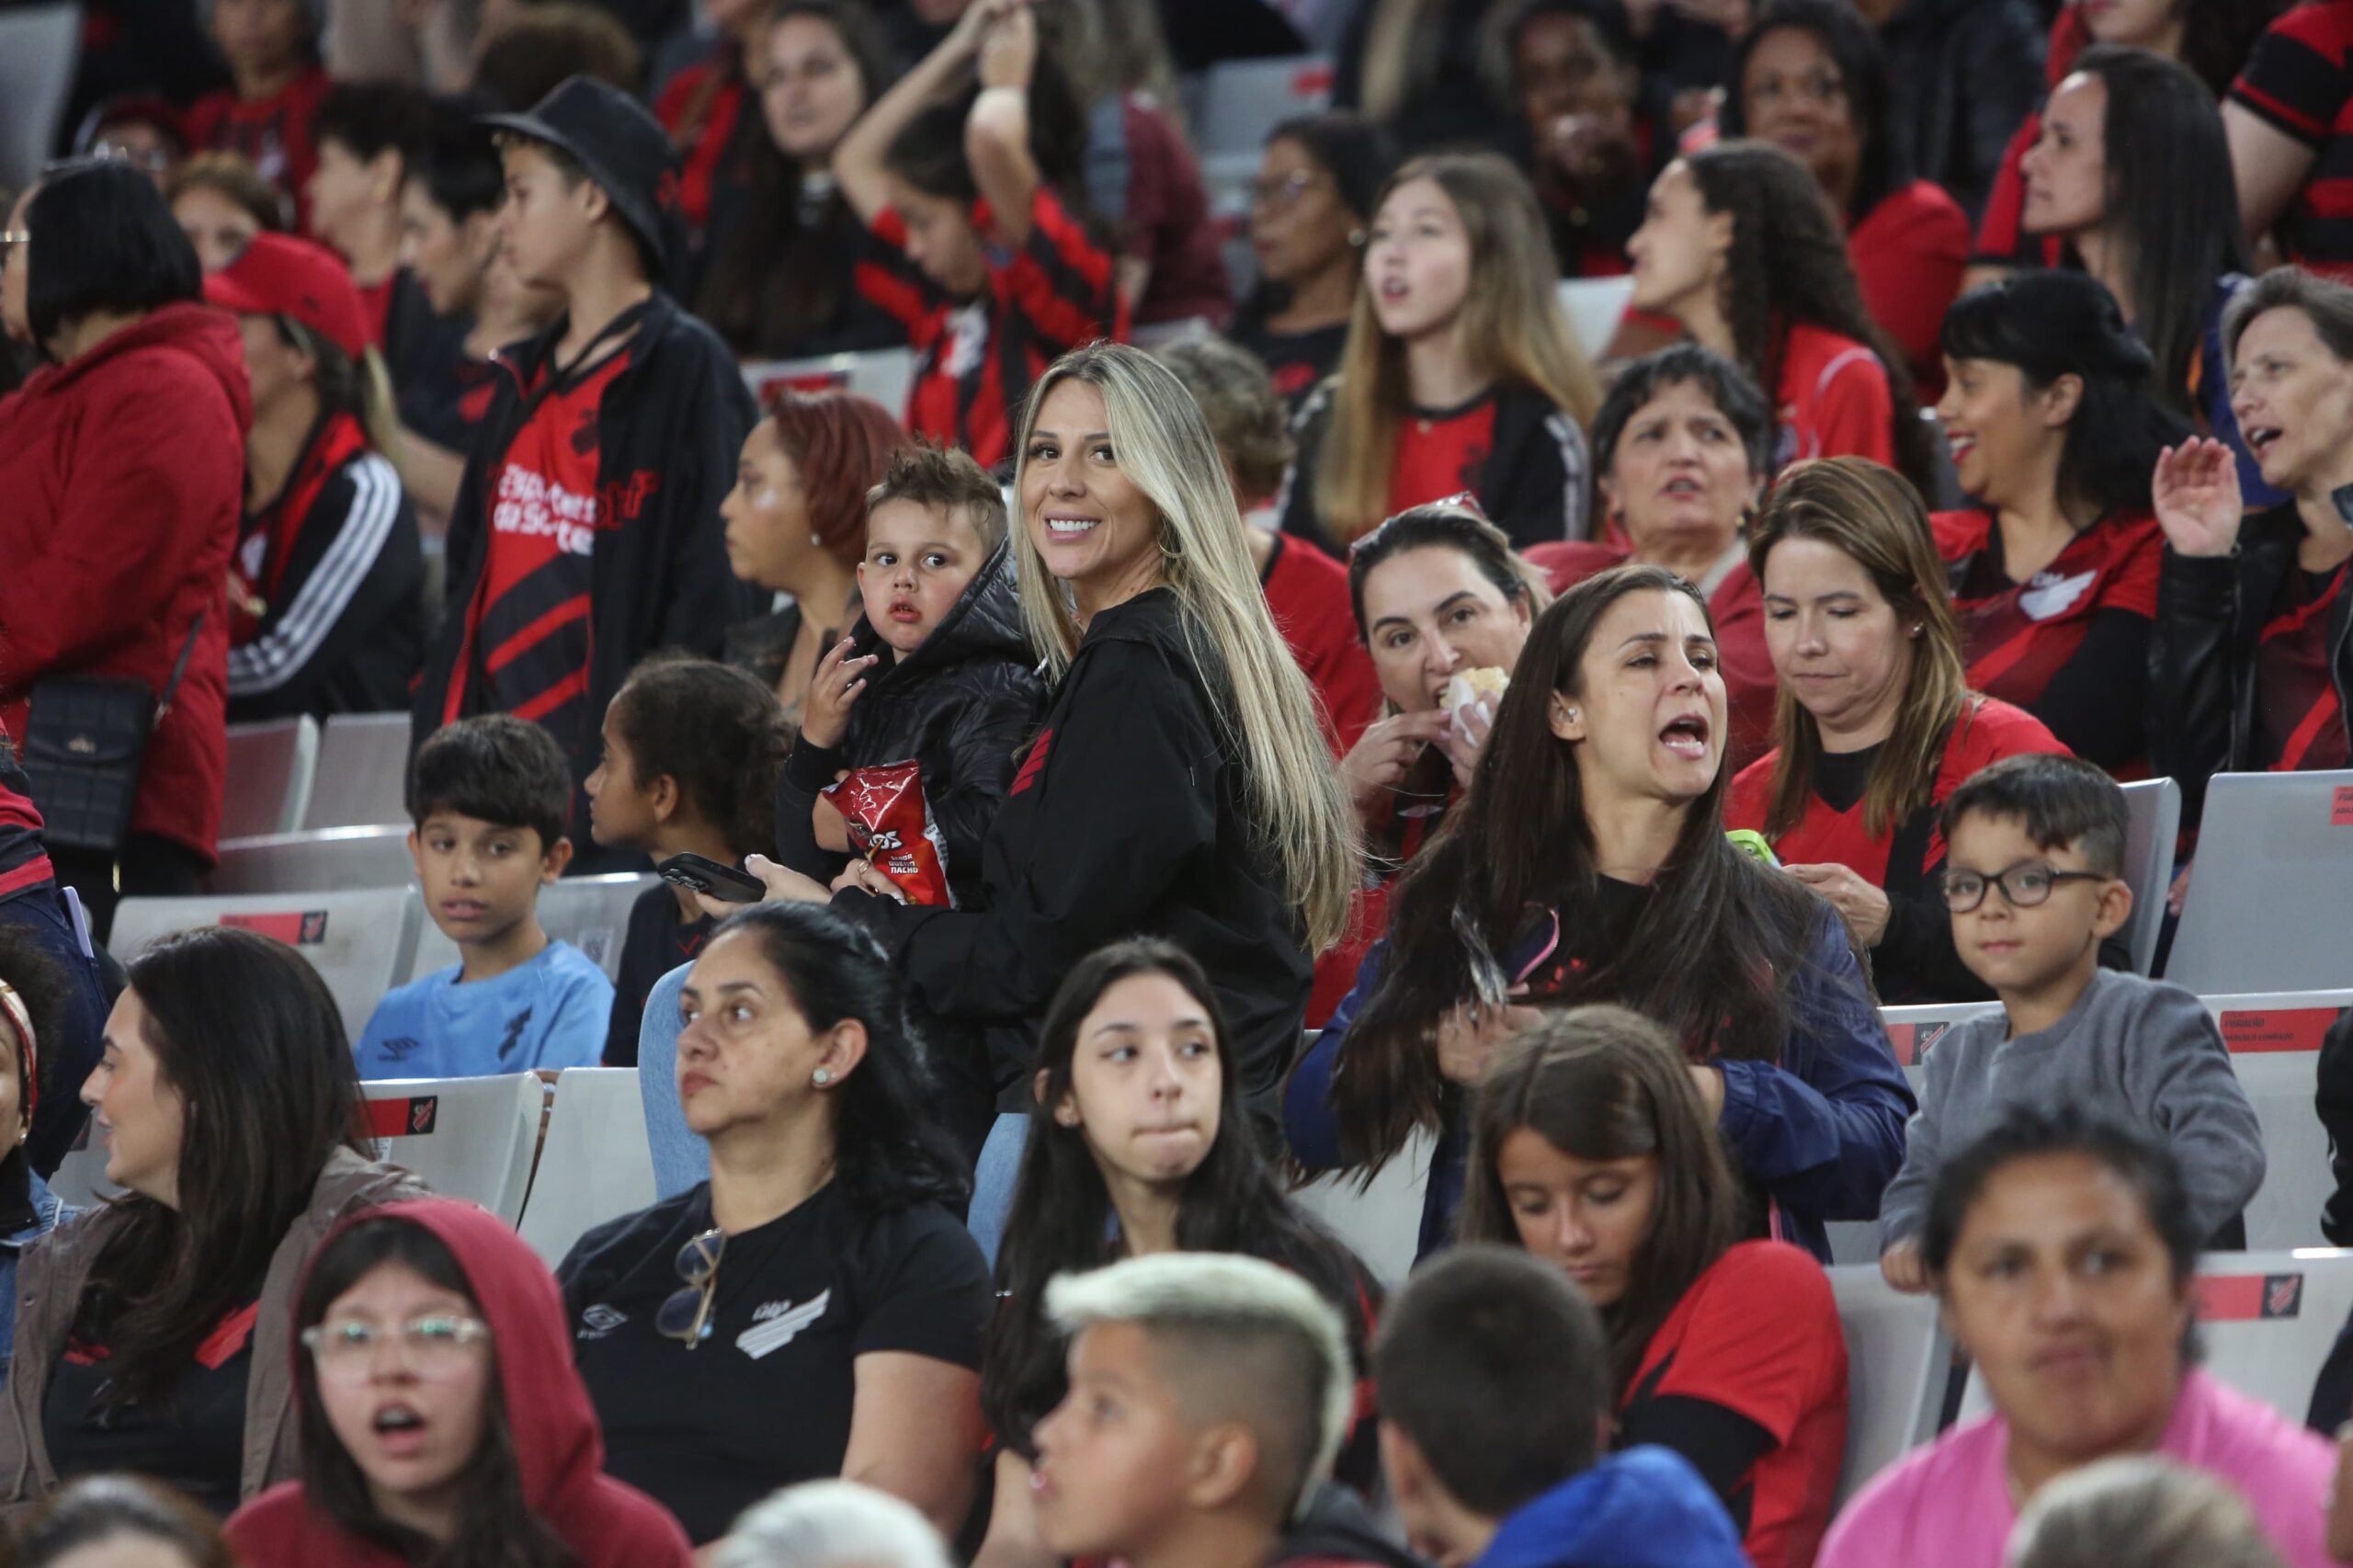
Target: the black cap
(622, 147)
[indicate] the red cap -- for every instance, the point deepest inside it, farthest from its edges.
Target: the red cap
(278, 275)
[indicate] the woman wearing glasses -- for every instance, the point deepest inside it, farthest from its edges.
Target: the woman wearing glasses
(441, 1418)
(1882, 726)
(1309, 208)
(816, 1308)
(151, 1330)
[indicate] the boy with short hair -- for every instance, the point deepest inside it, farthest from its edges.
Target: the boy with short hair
(1208, 1395)
(938, 668)
(489, 796)
(1494, 1379)
(2034, 881)
(587, 531)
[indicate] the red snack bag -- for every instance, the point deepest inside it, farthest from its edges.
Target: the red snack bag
(890, 823)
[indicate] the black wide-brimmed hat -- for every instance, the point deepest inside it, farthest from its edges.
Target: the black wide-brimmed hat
(622, 147)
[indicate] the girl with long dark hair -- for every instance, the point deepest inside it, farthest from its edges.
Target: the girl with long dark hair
(2132, 175)
(1139, 1145)
(1588, 863)
(231, 1112)
(1878, 724)
(1811, 78)
(1742, 248)
(1591, 1147)
(442, 1420)
(821, 1271)
(777, 265)
(2055, 427)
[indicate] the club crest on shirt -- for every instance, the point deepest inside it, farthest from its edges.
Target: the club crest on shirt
(775, 1324)
(2047, 595)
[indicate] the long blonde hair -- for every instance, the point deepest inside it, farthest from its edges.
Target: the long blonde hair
(1513, 330)
(1873, 516)
(1263, 702)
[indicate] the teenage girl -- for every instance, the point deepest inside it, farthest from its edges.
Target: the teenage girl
(692, 751)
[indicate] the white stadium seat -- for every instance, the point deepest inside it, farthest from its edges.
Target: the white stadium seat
(270, 773)
(1595, 306)
(591, 913)
(37, 47)
(2275, 1048)
(1382, 1221)
(1243, 100)
(360, 941)
(363, 772)
(2269, 895)
(2153, 823)
(1899, 1361)
(595, 1163)
(470, 1138)
(886, 375)
(327, 860)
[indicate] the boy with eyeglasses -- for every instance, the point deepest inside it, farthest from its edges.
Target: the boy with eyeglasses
(2034, 881)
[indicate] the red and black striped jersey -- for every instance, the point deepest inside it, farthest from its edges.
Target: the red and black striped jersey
(2300, 82)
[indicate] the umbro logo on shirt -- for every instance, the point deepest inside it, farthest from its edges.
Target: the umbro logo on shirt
(599, 1321)
(775, 1324)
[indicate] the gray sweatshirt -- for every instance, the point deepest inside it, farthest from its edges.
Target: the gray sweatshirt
(2141, 1051)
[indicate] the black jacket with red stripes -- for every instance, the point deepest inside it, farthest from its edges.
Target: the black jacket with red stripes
(2211, 613)
(669, 431)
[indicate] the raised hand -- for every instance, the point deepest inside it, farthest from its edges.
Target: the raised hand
(2196, 492)
(834, 686)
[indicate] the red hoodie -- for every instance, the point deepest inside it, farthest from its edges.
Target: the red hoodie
(605, 1523)
(123, 486)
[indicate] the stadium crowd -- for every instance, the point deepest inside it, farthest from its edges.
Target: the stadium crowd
(1490, 634)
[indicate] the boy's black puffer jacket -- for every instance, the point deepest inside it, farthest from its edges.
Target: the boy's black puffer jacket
(961, 705)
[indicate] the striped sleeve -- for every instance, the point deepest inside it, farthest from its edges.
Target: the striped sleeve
(883, 274)
(294, 636)
(2298, 79)
(1061, 280)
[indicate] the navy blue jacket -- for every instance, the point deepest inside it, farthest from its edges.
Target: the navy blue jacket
(1821, 1132)
(1643, 1508)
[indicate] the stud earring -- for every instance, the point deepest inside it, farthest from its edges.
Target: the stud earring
(1356, 238)
(822, 1076)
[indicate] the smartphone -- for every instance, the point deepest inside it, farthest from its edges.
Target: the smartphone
(699, 873)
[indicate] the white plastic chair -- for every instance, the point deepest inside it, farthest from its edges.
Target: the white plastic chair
(330, 859)
(360, 940)
(470, 1138)
(271, 768)
(2153, 823)
(590, 912)
(363, 772)
(595, 1163)
(1243, 100)
(886, 375)
(1899, 1361)
(2271, 898)
(1383, 1223)
(38, 49)
(1594, 307)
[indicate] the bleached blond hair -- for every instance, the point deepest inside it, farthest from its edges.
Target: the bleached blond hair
(1233, 1313)
(1162, 443)
(831, 1524)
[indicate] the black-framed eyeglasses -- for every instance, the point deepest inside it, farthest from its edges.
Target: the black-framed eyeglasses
(2023, 886)
(686, 1315)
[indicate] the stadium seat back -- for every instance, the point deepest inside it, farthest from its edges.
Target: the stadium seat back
(1899, 1361)
(470, 1138)
(363, 772)
(330, 859)
(1595, 306)
(2267, 901)
(2275, 1048)
(590, 912)
(271, 771)
(886, 375)
(2152, 822)
(360, 940)
(1242, 101)
(595, 1165)
(2267, 1320)
(38, 46)
(1382, 1221)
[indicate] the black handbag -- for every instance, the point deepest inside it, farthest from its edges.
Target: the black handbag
(84, 746)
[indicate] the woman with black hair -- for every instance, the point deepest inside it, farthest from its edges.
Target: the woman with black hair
(1139, 1144)
(472, 1442)
(977, 239)
(327, 609)
(1810, 77)
(122, 460)
(231, 1113)
(2054, 429)
(1588, 863)
(1591, 1148)
(1310, 205)
(1742, 247)
(815, 1308)
(2132, 175)
(782, 240)
(2065, 1255)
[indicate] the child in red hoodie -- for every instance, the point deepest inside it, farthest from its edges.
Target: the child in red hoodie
(433, 1365)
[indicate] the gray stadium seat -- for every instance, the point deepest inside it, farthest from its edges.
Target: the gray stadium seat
(594, 1166)
(330, 859)
(2273, 886)
(1898, 1362)
(271, 766)
(38, 46)
(360, 941)
(2275, 1048)
(363, 772)
(591, 913)
(1243, 100)
(2152, 822)
(470, 1138)
(2268, 1319)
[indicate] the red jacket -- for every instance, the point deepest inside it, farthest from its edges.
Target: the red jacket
(124, 479)
(548, 1418)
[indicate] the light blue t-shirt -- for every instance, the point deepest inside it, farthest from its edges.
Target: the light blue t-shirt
(551, 1012)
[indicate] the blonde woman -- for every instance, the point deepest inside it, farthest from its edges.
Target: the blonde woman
(1461, 372)
(1178, 786)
